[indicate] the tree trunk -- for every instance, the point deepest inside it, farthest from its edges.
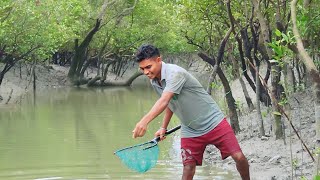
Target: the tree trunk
(229, 97)
(100, 54)
(1, 77)
(289, 79)
(243, 85)
(315, 77)
(246, 95)
(34, 78)
(267, 76)
(212, 77)
(264, 29)
(234, 122)
(247, 50)
(276, 92)
(80, 54)
(264, 96)
(275, 70)
(6, 68)
(105, 72)
(94, 81)
(260, 119)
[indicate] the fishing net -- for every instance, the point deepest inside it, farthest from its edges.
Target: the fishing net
(141, 157)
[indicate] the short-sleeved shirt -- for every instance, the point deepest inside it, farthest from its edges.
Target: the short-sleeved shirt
(195, 108)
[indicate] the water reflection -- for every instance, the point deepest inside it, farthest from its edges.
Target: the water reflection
(72, 134)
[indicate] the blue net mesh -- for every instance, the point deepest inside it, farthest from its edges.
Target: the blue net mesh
(140, 158)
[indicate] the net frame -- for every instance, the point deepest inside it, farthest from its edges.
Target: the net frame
(144, 156)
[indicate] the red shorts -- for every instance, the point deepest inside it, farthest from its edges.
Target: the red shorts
(222, 137)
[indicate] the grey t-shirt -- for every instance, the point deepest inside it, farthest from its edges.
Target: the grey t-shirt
(195, 108)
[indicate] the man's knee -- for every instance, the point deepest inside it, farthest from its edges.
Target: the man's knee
(188, 171)
(239, 157)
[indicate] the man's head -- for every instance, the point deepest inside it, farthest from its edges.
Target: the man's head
(148, 57)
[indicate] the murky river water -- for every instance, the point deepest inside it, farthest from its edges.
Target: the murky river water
(72, 134)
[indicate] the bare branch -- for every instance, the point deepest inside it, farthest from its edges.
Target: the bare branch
(104, 8)
(119, 16)
(126, 12)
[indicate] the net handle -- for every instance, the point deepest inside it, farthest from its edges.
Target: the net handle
(157, 139)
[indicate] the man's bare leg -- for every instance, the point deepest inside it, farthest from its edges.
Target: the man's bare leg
(242, 165)
(188, 171)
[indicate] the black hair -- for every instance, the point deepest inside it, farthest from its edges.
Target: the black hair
(146, 51)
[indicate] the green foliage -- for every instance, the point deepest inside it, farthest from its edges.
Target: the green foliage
(317, 151)
(50, 25)
(264, 114)
(204, 23)
(308, 23)
(160, 21)
(279, 46)
(153, 22)
(44, 26)
(301, 87)
(295, 163)
(239, 105)
(216, 85)
(277, 113)
(229, 71)
(316, 177)
(283, 101)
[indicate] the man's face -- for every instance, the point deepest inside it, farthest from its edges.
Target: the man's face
(151, 67)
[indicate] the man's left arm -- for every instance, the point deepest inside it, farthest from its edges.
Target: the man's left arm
(158, 108)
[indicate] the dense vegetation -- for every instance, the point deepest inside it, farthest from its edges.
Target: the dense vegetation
(234, 37)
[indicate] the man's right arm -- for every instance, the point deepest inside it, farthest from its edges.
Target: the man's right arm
(166, 120)
(167, 117)
(160, 106)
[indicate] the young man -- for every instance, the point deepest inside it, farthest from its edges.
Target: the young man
(202, 122)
